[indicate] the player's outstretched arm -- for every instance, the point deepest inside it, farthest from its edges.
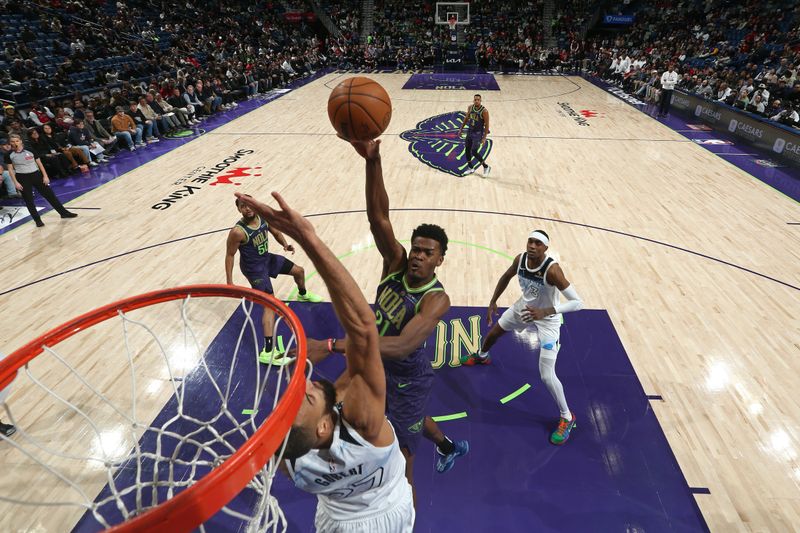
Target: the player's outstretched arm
(502, 283)
(394, 255)
(366, 392)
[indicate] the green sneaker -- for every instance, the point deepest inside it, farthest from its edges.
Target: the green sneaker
(309, 297)
(561, 434)
(274, 357)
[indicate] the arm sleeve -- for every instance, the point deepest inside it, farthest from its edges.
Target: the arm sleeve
(573, 303)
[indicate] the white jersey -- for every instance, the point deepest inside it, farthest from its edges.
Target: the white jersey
(536, 292)
(353, 479)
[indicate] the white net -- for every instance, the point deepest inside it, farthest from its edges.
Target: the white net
(107, 430)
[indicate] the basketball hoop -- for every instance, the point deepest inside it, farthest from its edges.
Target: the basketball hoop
(240, 454)
(452, 21)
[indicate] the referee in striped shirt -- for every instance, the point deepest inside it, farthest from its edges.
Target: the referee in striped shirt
(28, 173)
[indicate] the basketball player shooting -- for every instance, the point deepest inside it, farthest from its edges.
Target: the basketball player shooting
(250, 236)
(477, 122)
(410, 302)
(348, 455)
(541, 280)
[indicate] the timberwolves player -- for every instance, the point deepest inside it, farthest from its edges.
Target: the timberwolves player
(541, 279)
(477, 118)
(346, 454)
(250, 236)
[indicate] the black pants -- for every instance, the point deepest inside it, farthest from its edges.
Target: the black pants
(34, 179)
(666, 100)
(473, 145)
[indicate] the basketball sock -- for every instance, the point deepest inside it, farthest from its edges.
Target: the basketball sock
(446, 447)
(268, 344)
(547, 371)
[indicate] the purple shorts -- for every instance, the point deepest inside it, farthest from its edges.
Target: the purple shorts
(406, 406)
(274, 266)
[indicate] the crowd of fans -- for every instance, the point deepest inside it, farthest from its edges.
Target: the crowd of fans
(86, 78)
(90, 78)
(745, 54)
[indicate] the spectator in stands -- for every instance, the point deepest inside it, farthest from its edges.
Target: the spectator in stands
(140, 120)
(77, 158)
(8, 183)
(177, 102)
(40, 115)
(28, 173)
(724, 94)
(151, 116)
(63, 120)
(99, 134)
(168, 118)
(56, 163)
(126, 130)
(191, 99)
(80, 138)
(756, 105)
(178, 114)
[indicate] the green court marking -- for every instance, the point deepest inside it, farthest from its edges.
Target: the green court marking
(248, 411)
(514, 394)
(454, 416)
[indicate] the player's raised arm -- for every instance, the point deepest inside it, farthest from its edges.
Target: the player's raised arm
(394, 255)
(366, 394)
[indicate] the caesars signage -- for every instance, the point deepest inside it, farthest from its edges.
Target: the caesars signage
(759, 133)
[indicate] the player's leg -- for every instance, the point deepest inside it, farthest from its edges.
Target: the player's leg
(447, 450)
(511, 319)
(550, 344)
(299, 275)
(476, 153)
(468, 150)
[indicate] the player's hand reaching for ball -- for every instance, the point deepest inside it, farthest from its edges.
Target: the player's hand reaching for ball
(285, 219)
(369, 150)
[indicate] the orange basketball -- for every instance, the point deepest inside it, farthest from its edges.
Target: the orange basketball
(359, 109)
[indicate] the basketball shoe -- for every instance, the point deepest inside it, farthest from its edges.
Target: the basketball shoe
(561, 434)
(309, 297)
(274, 357)
(7, 429)
(446, 462)
(486, 171)
(475, 359)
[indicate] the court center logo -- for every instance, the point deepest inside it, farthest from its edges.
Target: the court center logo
(435, 142)
(219, 174)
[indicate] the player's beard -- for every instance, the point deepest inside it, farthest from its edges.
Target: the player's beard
(301, 441)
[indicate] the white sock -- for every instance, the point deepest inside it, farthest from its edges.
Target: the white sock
(547, 370)
(482, 354)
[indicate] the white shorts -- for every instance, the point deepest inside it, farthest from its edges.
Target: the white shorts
(548, 329)
(398, 519)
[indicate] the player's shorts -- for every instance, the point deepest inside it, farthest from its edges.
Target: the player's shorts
(398, 519)
(406, 406)
(275, 266)
(511, 320)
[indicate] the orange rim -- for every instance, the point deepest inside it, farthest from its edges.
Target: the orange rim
(199, 502)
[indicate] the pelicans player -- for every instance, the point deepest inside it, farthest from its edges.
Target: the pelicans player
(477, 118)
(250, 236)
(541, 279)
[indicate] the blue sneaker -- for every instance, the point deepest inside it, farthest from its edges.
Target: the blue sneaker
(446, 462)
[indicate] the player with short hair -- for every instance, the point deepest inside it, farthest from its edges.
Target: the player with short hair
(250, 237)
(541, 279)
(347, 454)
(477, 120)
(410, 302)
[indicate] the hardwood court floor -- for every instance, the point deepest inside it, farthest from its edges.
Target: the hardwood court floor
(647, 225)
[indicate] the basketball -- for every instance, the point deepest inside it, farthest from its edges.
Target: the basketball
(359, 109)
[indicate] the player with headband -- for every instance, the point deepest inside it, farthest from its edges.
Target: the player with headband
(541, 280)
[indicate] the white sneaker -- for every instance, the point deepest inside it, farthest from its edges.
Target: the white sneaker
(486, 171)
(469, 171)
(93, 164)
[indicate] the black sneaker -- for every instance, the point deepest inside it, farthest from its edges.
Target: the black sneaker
(7, 429)
(69, 215)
